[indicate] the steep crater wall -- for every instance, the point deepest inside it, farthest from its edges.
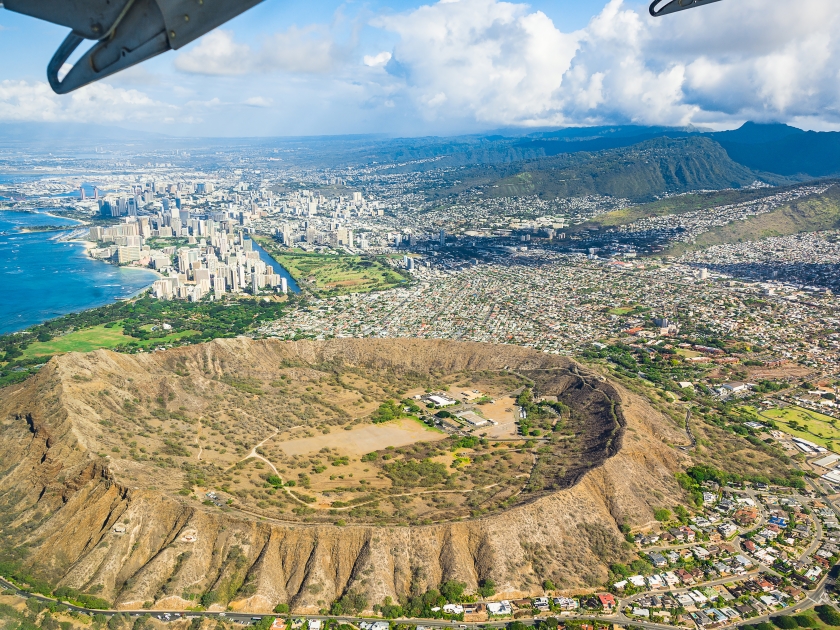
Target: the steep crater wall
(79, 517)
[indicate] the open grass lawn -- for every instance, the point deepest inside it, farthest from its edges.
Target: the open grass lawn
(688, 354)
(620, 310)
(334, 273)
(810, 425)
(158, 341)
(95, 338)
(79, 341)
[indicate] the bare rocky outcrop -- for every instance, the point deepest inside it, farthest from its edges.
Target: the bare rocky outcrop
(95, 523)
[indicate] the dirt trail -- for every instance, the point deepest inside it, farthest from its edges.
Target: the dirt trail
(254, 455)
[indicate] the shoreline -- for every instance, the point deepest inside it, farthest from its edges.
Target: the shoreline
(118, 290)
(58, 216)
(89, 245)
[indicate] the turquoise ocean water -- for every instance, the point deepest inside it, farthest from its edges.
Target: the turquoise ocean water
(42, 277)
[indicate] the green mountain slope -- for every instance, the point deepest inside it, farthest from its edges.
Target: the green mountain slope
(676, 205)
(639, 173)
(783, 149)
(811, 214)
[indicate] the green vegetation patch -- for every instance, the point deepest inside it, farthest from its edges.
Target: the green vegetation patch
(334, 274)
(412, 473)
(131, 326)
(805, 424)
(85, 340)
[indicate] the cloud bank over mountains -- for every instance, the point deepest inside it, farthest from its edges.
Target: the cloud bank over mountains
(505, 64)
(484, 63)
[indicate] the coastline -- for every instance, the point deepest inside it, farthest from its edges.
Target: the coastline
(58, 216)
(89, 245)
(87, 282)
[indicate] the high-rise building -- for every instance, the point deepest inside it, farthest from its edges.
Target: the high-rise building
(219, 286)
(442, 238)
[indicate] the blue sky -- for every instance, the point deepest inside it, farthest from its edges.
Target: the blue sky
(455, 66)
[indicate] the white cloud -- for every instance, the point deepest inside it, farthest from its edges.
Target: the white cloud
(492, 60)
(504, 63)
(306, 50)
(98, 103)
(377, 60)
(309, 50)
(258, 101)
(216, 53)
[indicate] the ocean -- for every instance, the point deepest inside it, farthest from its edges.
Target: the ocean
(42, 277)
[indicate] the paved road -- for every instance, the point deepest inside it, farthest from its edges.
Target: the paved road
(814, 598)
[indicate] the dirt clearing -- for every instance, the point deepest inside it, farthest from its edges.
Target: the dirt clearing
(364, 439)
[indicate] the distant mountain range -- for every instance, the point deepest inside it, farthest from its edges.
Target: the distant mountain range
(774, 153)
(783, 149)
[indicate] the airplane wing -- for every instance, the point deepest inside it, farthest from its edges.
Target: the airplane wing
(664, 7)
(126, 31)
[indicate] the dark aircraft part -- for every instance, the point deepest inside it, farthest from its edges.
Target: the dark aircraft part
(128, 31)
(664, 7)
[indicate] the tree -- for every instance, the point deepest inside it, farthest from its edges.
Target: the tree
(619, 570)
(662, 515)
(145, 623)
(487, 588)
(548, 585)
(828, 615)
(804, 621)
(281, 609)
(453, 590)
(117, 622)
(785, 622)
(265, 623)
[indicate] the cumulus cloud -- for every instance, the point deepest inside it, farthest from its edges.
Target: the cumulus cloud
(493, 60)
(99, 102)
(503, 63)
(258, 101)
(309, 50)
(381, 59)
(216, 53)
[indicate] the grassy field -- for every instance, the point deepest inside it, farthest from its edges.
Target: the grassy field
(94, 338)
(79, 341)
(808, 425)
(333, 274)
(688, 354)
(159, 341)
